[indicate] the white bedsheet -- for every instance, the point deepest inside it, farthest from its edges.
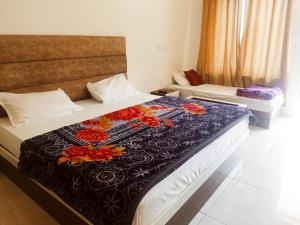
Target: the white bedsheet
(161, 201)
(11, 137)
(226, 93)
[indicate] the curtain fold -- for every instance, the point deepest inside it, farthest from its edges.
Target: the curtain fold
(219, 47)
(263, 40)
(231, 49)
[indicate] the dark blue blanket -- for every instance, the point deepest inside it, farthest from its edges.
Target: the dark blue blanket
(104, 166)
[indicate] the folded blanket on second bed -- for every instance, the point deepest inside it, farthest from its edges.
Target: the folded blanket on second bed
(259, 92)
(104, 166)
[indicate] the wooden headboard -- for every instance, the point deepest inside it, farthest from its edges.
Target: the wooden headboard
(33, 63)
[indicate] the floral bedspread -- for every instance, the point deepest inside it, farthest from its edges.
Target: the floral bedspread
(104, 166)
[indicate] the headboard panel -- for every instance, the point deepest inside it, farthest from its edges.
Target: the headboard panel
(31, 63)
(29, 74)
(22, 48)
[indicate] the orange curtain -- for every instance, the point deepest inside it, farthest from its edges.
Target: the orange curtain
(263, 45)
(231, 49)
(219, 46)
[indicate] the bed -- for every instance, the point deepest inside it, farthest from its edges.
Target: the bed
(265, 110)
(69, 63)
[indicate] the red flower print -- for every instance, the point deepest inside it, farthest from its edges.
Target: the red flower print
(159, 107)
(193, 108)
(75, 150)
(79, 154)
(134, 125)
(91, 123)
(168, 122)
(126, 114)
(101, 122)
(91, 135)
(150, 121)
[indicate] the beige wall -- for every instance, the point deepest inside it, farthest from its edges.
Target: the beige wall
(162, 35)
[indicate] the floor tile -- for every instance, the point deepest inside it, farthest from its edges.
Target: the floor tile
(216, 195)
(29, 214)
(11, 197)
(258, 141)
(242, 204)
(209, 221)
(196, 220)
(275, 170)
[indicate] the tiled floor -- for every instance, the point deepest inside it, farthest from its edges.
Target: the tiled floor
(264, 189)
(18, 209)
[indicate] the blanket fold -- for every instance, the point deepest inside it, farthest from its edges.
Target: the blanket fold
(259, 92)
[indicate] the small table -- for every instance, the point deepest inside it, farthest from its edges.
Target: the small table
(166, 92)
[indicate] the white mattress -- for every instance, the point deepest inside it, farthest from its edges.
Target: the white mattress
(226, 93)
(162, 201)
(11, 137)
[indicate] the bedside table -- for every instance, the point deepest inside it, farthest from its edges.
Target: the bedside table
(166, 92)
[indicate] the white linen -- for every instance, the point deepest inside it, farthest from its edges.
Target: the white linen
(226, 93)
(12, 137)
(161, 202)
(181, 79)
(25, 108)
(112, 89)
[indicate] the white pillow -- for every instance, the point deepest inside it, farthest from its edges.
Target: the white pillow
(112, 89)
(181, 79)
(26, 108)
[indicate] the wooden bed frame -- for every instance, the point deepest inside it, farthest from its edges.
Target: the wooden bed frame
(65, 216)
(42, 63)
(265, 119)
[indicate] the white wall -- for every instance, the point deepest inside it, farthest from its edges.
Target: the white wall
(162, 35)
(293, 90)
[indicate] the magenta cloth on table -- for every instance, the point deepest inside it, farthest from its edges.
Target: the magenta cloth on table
(259, 92)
